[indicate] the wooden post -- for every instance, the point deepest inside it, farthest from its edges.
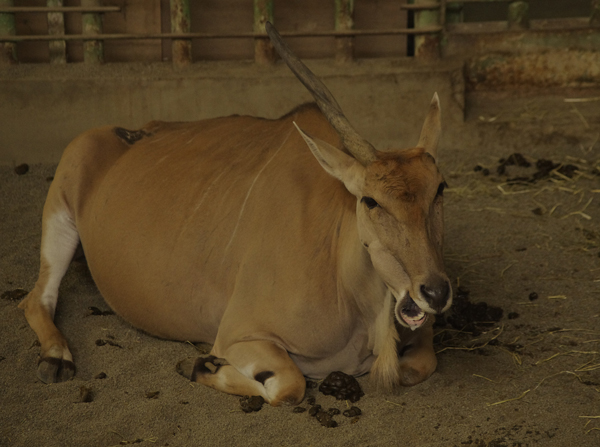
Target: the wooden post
(93, 50)
(181, 23)
(8, 50)
(56, 25)
(595, 15)
(427, 46)
(344, 20)
(518, 15)
(264, 54)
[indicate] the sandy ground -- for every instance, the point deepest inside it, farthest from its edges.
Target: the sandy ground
(532, 378)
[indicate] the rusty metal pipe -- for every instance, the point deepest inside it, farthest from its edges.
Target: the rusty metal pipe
(595, 15)
(264, 54)
(8, 49)
(344, 20)
(56, 25)
(518, 15)
(427, 46)
(91, 23)
(181, 24)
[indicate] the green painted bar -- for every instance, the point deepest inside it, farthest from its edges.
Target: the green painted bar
(8, 50)
(518, 15)
(454, 13)
(595, 15)
(427, 46)
(344, 20)
(56, 25)
(264, 54)
(181, 23)
(93, 50)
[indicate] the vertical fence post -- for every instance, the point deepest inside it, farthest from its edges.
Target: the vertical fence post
(595, 15)
(8, 50)
(56, 25)
(518, 15)
(454, 13)
(181, 23)
(93, 50)
(427, 46)
(344, 20)
(264, 54)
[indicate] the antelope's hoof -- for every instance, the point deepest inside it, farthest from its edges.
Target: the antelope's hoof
(54, 370)
(191, 369)
(415, 372)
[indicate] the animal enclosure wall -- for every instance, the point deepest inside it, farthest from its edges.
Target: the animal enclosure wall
(217, 17)
(381, 28)
(52, 89)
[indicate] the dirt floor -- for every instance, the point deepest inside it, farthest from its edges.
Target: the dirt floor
(525, 374)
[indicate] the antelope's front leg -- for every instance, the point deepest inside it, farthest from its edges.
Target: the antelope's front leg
(417, 356)
(253, 368)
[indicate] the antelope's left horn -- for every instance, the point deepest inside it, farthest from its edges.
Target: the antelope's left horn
(360, 148)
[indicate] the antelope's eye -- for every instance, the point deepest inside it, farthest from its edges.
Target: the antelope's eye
(370, 202)
(440, 191)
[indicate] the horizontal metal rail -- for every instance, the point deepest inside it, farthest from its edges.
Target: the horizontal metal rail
(441, 4)
(479, 1)
(421, 6)
(70, 37)
(64, 9)
(537, 26)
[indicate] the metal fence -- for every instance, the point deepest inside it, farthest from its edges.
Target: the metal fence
(432, 23)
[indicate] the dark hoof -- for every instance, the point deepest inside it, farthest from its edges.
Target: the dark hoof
(202, 365)
(251, 403)
(54, 370)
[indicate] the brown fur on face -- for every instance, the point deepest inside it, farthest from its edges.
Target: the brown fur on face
(404, 176)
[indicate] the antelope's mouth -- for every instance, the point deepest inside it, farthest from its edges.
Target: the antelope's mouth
(411, 313)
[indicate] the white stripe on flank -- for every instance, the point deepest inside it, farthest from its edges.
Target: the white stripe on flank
(225, 170)
(250, 191)
(210, 187)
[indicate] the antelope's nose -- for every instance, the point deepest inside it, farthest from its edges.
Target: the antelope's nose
(436, 293)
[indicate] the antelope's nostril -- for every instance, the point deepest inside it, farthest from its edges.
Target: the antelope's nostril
(436, 295)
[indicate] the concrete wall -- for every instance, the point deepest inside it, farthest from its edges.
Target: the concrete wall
(42, 108)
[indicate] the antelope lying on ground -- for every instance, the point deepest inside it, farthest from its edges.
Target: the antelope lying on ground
(227, 231)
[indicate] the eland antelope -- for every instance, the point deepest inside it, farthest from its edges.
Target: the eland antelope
(291, 261)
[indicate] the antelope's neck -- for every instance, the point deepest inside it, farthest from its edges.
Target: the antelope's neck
(357, 279)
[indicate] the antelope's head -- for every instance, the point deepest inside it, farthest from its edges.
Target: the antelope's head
(399, 197)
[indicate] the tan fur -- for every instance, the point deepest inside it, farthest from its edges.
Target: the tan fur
(228, 231)
(386, 369)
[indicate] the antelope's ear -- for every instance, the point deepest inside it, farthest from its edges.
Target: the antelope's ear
(337, 163)
(432, 128)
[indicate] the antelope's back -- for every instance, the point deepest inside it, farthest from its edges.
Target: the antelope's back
(196, 213)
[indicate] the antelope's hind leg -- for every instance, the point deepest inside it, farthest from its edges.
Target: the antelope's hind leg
(252, 368)
(59, 242)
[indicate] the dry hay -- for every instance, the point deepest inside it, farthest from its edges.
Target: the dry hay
(564, 180)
